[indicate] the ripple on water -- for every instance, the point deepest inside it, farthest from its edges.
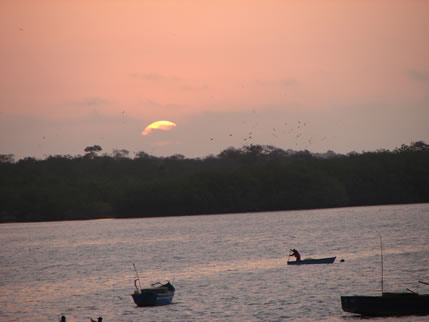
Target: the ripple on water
(225, 267)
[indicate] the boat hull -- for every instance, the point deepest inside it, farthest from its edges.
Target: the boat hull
(393, 304)
(328, 260)
(160, 295)
(152, 299)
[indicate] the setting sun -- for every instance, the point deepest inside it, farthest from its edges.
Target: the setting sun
(158, 125)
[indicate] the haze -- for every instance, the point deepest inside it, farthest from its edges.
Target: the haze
(317, 75)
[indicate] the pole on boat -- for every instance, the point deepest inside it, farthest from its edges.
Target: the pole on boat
(382, 271)
(423, 283)
(138, 278)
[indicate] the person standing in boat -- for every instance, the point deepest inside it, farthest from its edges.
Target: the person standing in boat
(296, 254)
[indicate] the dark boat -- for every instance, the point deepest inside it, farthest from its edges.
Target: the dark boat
(388, 304)
(158, 294)
(328, 260)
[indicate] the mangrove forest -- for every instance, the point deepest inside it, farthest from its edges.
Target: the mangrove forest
(249, 179)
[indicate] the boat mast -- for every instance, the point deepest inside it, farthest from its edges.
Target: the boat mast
(382, 271)
(138, 277)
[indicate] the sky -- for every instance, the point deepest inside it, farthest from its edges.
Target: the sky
(306, 74)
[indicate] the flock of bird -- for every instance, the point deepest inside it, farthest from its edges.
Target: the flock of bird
(294, 131)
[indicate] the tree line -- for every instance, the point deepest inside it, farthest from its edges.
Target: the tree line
(248, 179)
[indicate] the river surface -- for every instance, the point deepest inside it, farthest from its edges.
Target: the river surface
(224, 267)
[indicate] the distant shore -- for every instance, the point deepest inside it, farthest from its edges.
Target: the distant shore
(251, 179)
(211, 214)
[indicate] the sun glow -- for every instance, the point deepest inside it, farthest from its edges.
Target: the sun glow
(158, 125)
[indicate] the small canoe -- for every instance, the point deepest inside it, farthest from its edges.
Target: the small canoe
(159, 294)
(328, 260)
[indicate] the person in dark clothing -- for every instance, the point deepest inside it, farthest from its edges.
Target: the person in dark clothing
(296, 254)
(100, 319)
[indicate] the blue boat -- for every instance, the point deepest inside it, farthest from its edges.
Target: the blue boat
(328, 260)
(158, 294)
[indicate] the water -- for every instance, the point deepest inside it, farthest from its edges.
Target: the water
(225, 267)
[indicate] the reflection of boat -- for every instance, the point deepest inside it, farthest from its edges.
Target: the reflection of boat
(387, 304)
(328, 260)
(158, 294)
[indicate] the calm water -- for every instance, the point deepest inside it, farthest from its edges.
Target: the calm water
(225, 267)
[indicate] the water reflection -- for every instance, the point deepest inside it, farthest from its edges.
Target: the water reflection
(225, 267)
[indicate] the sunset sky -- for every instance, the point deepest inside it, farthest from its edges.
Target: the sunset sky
(317, 75)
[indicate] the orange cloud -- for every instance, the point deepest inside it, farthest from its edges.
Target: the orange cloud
(158, 125)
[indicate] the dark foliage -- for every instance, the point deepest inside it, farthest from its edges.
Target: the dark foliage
(253, 178)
